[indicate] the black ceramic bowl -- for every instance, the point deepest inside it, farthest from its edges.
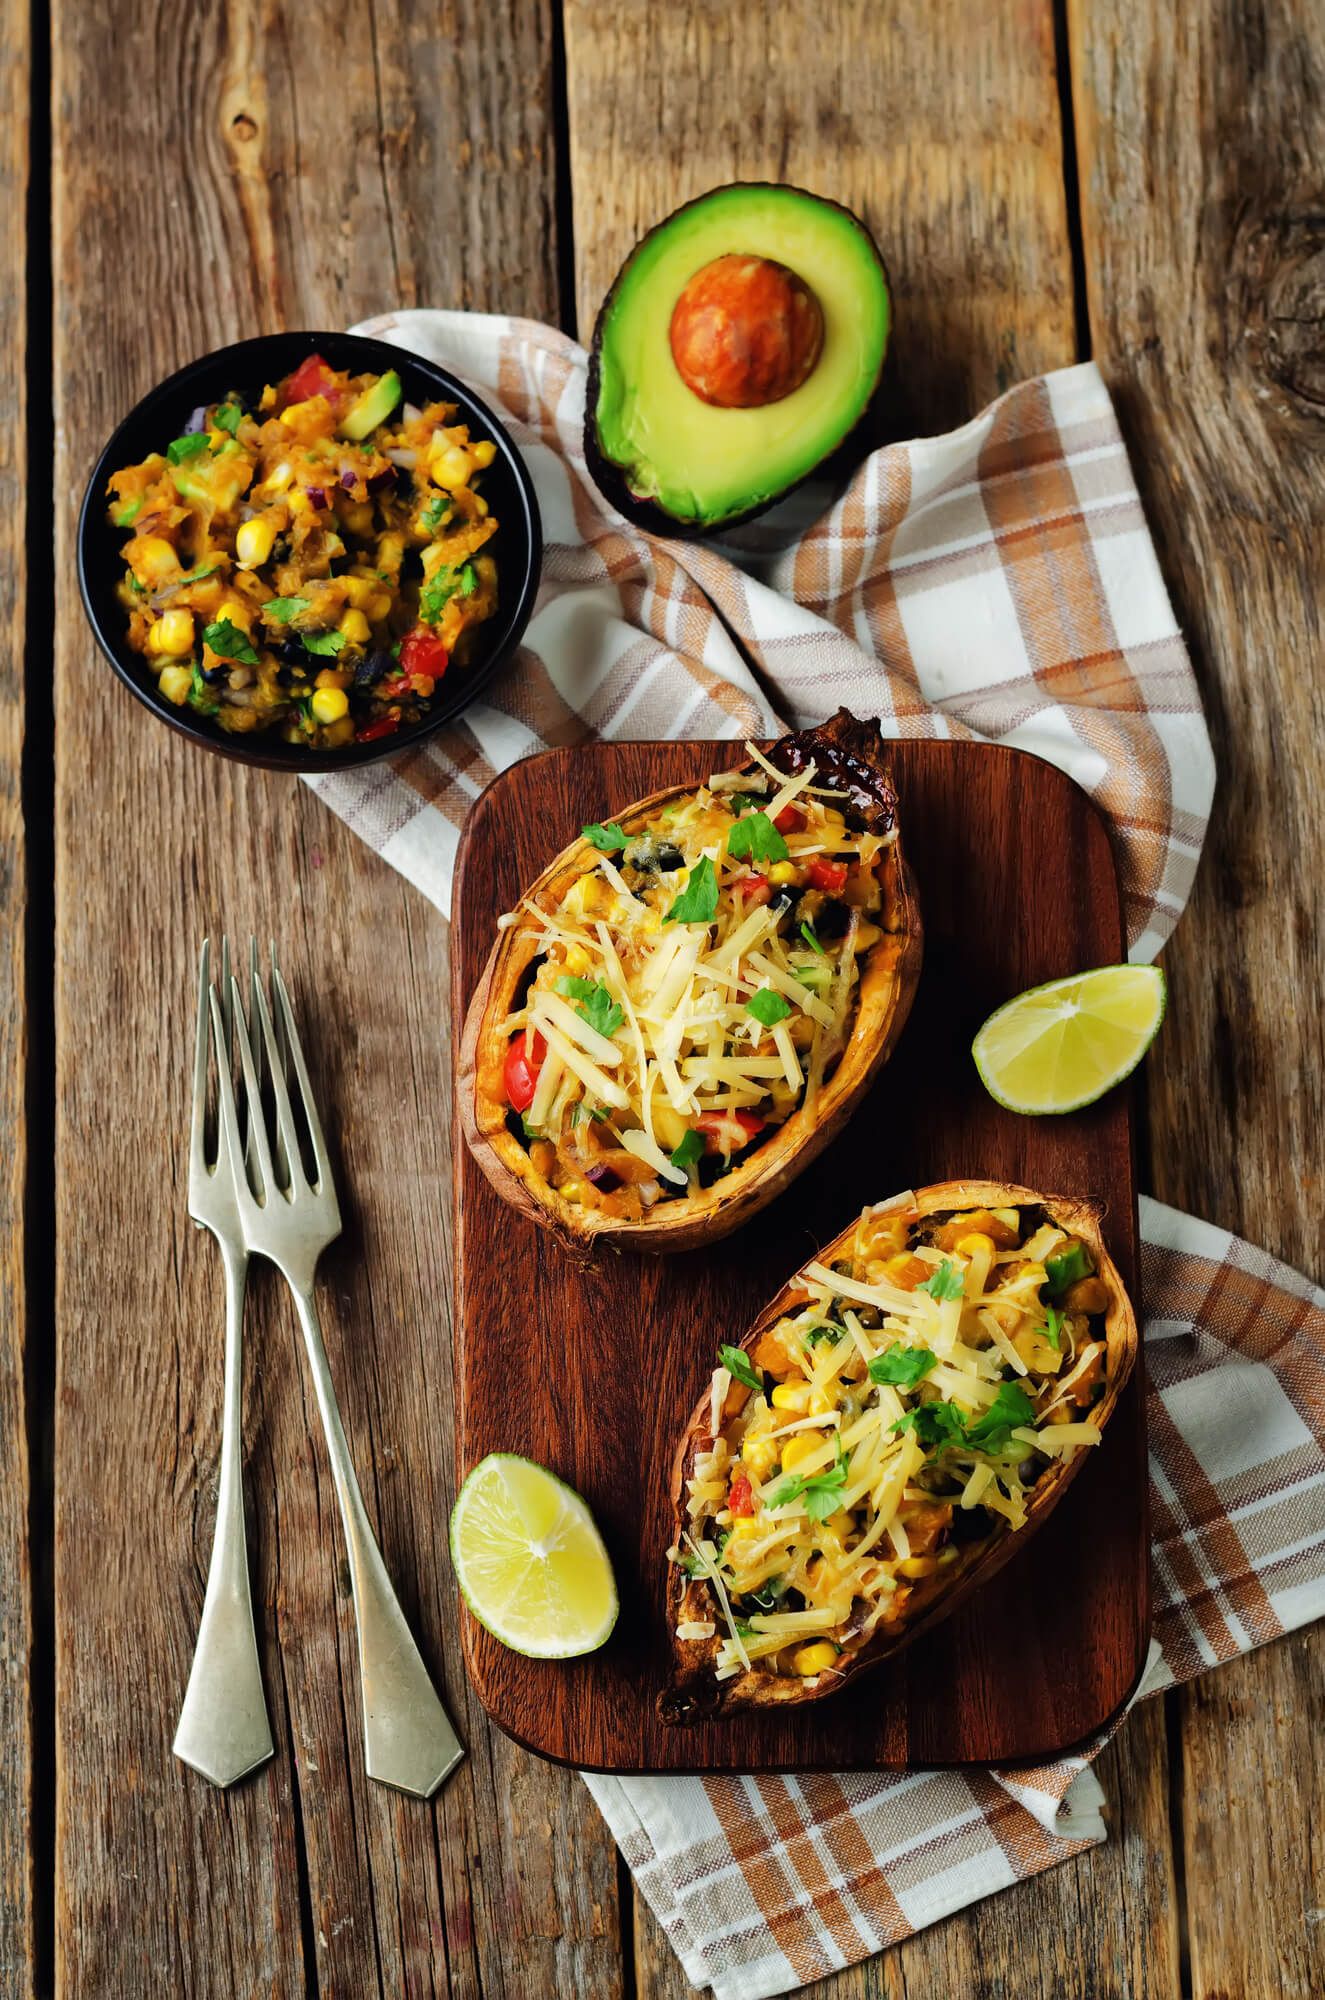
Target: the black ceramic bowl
(247, 367)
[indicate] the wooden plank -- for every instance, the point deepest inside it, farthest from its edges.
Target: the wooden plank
(947, 141)
(424, 174)
(1016, 1672)
(1204, 252)
(17, 1827)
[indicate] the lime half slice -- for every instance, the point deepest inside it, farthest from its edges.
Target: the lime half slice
(1063, 1045)
(530, 1561)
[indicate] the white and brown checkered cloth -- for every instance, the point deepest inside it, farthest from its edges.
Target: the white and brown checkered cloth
(998, 583)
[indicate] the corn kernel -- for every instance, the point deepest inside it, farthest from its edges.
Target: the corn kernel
(279, 479)
(798, 1448)
(791, 1396)
(918, 1566)
(175, 684)
(253, 543)
(390, 549)
(299, 503)
(760, 1454)
(745, 1528)
(359, 591)
(308, 415)
(379, 607)
(484, 452)
(154, 560)
(578, 962)
(452, 467)
(267, 401)
(823, 1402)
(340, 732)
(172, 634)
(480, 505)
(784, 874)
(355, 627)
(814, 1658)
(977, 1244)
(329, 704)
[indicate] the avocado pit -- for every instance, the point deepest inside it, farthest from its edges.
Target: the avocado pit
(745, 332)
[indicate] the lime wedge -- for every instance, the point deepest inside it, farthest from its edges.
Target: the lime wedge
(1063, 1045)
(531, 1563)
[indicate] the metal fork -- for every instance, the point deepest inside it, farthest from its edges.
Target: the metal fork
(223, 1728)
(290, 1216)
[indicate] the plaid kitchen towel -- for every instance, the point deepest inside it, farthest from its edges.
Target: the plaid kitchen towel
(999, 584)
(996, 583)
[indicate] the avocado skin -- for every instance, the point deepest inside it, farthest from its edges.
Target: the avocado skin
(608, 476)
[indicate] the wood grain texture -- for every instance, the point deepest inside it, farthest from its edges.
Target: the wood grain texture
(16, 1604)
(568, 1362)
(944, 137)
(424, 172)
(1201, 139)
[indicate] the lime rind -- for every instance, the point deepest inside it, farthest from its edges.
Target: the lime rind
(510, 1586)
(1117, 1010)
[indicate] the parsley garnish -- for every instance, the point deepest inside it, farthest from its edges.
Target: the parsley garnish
(228, 643)
(807, 932)
(742, 802)
(437, 510)
(228, 417)
(326, 645)
(698, 901)
(690, 1149)
(946, 1283)
(756, 839)
(436, 594)
(1010, 1407)
(814, 1336)
(819, 1490)
(283, 609)
(737, 1363)
(605, 838)
(468, 580)
(1053, 1327)
(935, 1424)
(596, 1005)
(186, 447)
(902, 1366)
(768, 1007)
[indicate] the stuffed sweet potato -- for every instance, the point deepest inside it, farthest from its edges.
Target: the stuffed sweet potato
(898, 1420)
(692, 998)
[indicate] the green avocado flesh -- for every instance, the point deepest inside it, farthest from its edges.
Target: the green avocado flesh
(372, 408)
(704, 465)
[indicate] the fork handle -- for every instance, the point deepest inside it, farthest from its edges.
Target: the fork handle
(408, 1738)
(223, 1728)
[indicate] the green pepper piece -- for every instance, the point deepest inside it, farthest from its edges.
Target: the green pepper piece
(1066, 1268)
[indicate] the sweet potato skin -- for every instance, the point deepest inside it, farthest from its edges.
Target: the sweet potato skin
(853, 752)
(692, 1692)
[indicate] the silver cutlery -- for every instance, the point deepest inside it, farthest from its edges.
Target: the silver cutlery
(223, 1728)
(288, 1213)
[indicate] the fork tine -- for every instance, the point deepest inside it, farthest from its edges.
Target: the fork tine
(296, 1053)
(224, 984)
(254, 1106)
(227, 1116)
(287, 1132)
(256, 1124)
(198, 1120)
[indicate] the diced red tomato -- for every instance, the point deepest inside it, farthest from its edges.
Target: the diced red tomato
(524, 1059)
(728, 1131)
(753, 889)
(310, 378)
(372, 732)
(830, 876)
(423, 657)
(790, 820)
(741, 1498)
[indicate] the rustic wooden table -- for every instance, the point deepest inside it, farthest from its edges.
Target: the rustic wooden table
(1121, 178)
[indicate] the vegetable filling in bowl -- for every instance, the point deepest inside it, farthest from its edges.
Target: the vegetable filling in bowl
(900, 1410)
(309, 563)
(693, 986)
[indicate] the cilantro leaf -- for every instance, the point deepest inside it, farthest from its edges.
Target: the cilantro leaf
(201, 697)
(690, 1149)
(325, 645)
(819, 1490)
(737, 1363)
(902, 1366)
(768, 1007)
(935, 1424)
(228, 643)
(743, 802)
(440, 588)
(599, 1113)
(814, 1336)
(1010, 1407)
(283, 609)
(228, 417)
(186, 447)
(698, 901)
(1053, 1326)
(468, 580)
(807, 932)
(605, 838)
(596, 1005)
(946, 1283)
(437, 510)
(755, 838)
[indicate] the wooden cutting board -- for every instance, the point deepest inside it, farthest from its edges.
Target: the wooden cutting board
(594, 1370)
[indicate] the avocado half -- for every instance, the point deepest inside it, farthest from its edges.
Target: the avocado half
(678, 464)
